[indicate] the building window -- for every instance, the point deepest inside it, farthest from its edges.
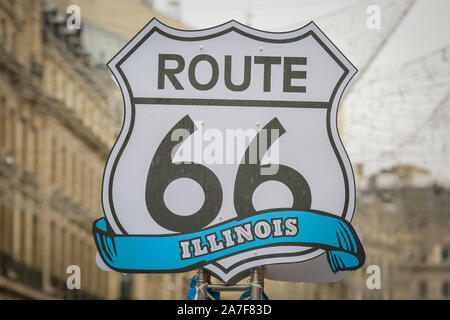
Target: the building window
(13, 125)
(4, 31)
(74, 248)
(444, 254)
(3, 120)
(2, 226)
(74, 175)
(53, 160)
(423, 289)
(6, 232)
(84, 262)
(81, 183)
(91, 189)
(36, 242)
(36, 150)
(14, 41)
(25, 142)
(446, 289)
(53, 251)
(63, 251)
(423, 257)
(23, 236)
(63, 167)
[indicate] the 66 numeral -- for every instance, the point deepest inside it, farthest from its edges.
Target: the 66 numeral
(163, 171)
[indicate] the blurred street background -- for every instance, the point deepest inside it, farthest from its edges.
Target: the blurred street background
(60, 113)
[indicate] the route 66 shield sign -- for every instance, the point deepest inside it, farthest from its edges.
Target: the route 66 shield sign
(229, 156)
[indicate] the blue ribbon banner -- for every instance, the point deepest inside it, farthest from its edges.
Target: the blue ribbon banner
(180, 252)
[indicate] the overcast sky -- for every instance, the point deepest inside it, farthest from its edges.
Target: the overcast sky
(426, 28)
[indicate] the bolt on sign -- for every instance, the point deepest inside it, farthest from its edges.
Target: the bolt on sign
(229, 156)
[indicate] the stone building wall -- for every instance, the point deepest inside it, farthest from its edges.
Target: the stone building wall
(58, 121)
(55, 134)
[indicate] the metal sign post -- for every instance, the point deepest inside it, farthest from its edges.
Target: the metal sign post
(203, 279)
(256, 285)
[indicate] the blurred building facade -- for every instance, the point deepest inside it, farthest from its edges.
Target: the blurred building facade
(56, 132)
(403, 216)
(109, 25)
(58, 123)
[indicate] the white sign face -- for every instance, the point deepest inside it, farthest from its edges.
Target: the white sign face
(229, 156)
